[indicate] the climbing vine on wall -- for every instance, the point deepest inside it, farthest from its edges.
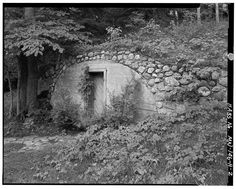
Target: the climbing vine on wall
(85, 86)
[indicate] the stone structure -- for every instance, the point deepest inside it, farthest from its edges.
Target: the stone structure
(159, 78)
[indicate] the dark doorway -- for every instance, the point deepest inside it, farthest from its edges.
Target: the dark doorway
(96, 101)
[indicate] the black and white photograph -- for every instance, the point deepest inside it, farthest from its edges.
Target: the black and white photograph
(117, 94)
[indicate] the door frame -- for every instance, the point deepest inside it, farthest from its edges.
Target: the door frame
(104, 71)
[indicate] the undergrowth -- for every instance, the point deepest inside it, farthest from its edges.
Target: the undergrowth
(189, 149)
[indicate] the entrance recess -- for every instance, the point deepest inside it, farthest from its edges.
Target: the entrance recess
(97, 97)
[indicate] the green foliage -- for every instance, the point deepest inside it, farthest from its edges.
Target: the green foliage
(65, 113)
(49, 28)
(159, 150)
(85, 86)
(114, 33)
(184, 94)
(123, 107)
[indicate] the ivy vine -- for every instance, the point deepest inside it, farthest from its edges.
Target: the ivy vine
(85, 86)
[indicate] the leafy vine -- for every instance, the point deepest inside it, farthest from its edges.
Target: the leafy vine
(85, 86)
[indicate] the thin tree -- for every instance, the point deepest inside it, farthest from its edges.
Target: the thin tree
(10, 112)
(198, 15)
(217, 13)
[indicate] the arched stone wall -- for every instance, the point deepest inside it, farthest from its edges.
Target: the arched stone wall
(160, 78)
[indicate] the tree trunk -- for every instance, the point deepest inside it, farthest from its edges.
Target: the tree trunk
(177, 17)
(22, 85)
(198, 15)
(217, 13)
(32, 84)
(10, 114)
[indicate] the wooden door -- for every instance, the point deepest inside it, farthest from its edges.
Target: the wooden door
(98, 92)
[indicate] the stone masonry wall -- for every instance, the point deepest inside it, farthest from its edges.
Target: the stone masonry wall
(160, 78)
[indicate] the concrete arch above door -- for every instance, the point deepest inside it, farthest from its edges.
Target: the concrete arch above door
(116, 77)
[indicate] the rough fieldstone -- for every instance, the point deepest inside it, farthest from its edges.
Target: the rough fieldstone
(204, 91)
(223, 81)
(217, 88)
(224, 73)
(103, 56)
(169, 73)
(142, 64)
(166, 68)
(150, 70)
(153, 90)
(157, 80)
(131, 56)
(127, 52)
(212, 83)
(160, 96)
(203, 74)
(154, 75)
(127, 62)
(184, 81)
(171, 81)
(157, 70)
(174, 68)
(215, 75)
(161, 86)
(137, 57)
(135, 65)
(203, 83)
(221, 95)
(150, 65)
(114, 58)
(177, 76)
(125, 57)
(146, 76)
(151, 82)
(120, 57)
(168, 88)
(141, 69)
(122, 62)
(90, 54)
(160, 75)
(160, 66)
(79, 56)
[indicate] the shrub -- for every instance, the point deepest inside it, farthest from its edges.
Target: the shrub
(66, 114)
(122, 109)
(159, 150)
